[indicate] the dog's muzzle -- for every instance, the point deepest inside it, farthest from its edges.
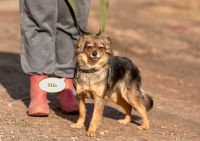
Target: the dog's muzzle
(94, 56)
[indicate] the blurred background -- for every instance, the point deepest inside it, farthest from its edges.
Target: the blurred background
(161, 36)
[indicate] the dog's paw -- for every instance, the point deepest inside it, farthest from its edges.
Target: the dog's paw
(90, 133)
(142, 127)
(76, 125)
(123, 121)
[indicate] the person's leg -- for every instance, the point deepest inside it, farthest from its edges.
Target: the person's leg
(66, 40)
(67, 35)
(38, 27)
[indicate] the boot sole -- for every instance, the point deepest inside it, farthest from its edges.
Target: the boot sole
(38, 115)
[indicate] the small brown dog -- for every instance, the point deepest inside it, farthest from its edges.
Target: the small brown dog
(103, 75)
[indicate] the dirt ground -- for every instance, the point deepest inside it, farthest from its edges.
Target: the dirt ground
(161, 36)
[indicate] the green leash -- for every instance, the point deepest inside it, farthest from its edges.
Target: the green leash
(104, 5)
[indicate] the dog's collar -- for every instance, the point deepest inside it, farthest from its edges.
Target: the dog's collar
(93, 70)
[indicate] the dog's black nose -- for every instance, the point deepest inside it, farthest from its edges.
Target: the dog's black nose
(94, 53)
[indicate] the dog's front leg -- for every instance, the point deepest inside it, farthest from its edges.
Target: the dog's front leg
(96, 116)
(82, 112)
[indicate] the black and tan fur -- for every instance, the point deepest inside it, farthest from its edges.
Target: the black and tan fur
(103, 75)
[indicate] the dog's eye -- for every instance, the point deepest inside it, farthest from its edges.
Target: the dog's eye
(101, 46)
(89, 47)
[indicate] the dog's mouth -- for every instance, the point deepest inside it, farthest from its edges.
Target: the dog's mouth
(95, 58)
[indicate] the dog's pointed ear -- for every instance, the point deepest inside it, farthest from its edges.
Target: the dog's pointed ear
(108, 38)
(108, 43)
(81, 44)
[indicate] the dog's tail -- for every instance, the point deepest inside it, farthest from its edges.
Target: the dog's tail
(147, 100)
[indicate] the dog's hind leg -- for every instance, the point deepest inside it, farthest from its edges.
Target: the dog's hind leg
(139, 106)
(117, 98)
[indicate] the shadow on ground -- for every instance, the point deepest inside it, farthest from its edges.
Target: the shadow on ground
(12, 78)
(109, 112)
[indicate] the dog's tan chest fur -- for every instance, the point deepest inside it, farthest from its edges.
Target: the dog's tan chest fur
(92, 83)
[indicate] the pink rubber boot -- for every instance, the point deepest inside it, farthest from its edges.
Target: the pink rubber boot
(66, 100)
(39, 103)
